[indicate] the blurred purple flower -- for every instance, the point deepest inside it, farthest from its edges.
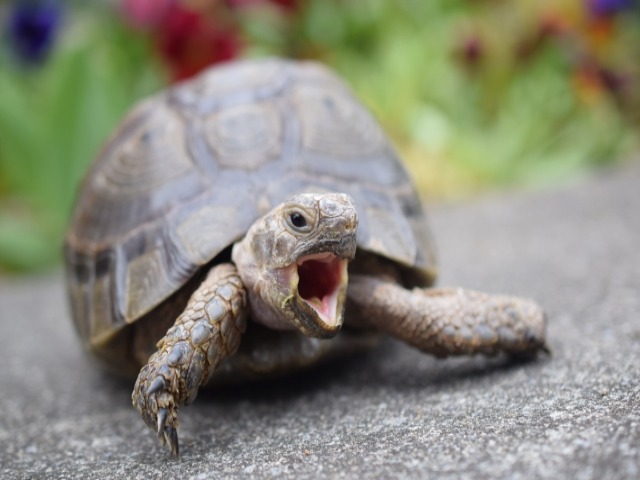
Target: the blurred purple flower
(31, 28)
(607, 8)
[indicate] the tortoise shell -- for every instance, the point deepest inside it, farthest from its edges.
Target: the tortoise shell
(190, 169)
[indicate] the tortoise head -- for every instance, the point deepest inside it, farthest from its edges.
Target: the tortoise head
(293, 262)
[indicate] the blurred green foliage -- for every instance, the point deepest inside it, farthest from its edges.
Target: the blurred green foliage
(513, 114)
(475, 94)
(52, 122)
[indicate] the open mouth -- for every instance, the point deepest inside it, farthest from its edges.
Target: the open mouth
(322, 278)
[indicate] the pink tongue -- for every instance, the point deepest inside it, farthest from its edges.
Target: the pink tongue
(323, 307)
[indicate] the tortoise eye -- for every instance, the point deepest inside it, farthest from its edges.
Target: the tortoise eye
(298, 220)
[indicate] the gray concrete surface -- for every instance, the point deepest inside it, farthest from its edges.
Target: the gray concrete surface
(392, 413)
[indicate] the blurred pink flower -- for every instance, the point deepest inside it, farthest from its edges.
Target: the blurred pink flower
(146, 14)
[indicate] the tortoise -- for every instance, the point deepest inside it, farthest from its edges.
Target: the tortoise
(253, 221)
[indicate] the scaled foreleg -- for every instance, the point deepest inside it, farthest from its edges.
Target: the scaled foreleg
(207, 331)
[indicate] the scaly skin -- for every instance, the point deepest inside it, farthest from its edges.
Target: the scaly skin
(206, 332)
(450, 321)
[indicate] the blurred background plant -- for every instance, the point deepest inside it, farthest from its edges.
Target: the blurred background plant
(476, 95)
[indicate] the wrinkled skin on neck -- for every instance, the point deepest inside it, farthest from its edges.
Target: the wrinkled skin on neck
(293, 262)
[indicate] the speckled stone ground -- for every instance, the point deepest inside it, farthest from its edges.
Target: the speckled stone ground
(392, 413)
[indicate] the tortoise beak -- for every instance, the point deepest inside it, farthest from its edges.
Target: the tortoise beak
(320, 285)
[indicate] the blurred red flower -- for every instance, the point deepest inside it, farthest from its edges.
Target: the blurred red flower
(189, 42)
(186, 39)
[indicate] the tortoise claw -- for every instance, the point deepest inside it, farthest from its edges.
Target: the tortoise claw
(162, 420)
(158, 384)
(171, 436)
(156, 400)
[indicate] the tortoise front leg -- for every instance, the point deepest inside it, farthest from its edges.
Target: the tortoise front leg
(450, 321)
(208, 330)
